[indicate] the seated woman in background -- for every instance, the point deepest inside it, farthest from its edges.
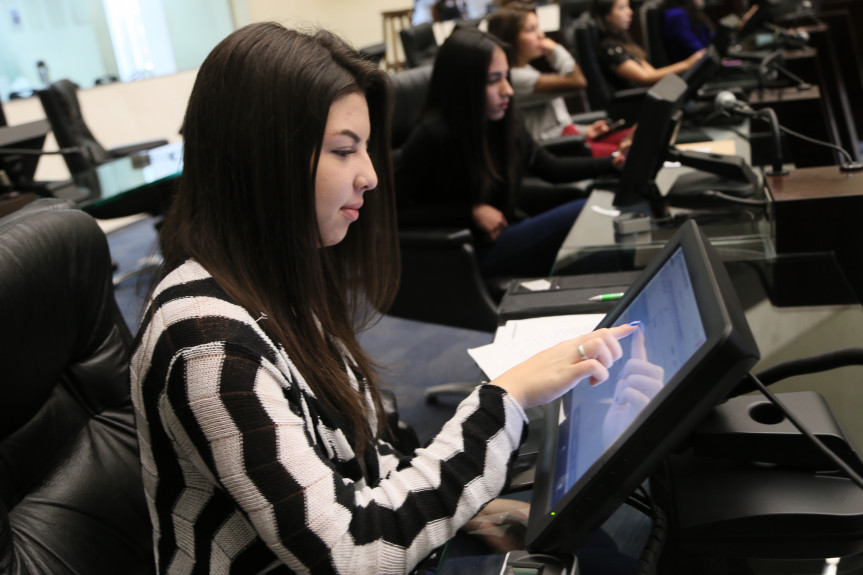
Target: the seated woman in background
(539, 95)
(463, 163)
(263, 440)
(686, 29)
(623, 61)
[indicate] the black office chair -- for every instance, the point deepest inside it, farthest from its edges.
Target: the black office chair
(71, 493)
(60, 102)
(601, 95)
(651, 31)
(440, 282)
(419, 45)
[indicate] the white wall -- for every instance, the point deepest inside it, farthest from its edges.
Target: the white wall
(359, 23)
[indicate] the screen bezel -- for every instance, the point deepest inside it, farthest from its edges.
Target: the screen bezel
(729, 350)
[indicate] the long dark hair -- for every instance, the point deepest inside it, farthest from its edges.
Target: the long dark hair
(245, 205)
(458, 92)
(599, 9)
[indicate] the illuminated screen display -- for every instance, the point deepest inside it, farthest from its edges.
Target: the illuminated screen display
(670, 333)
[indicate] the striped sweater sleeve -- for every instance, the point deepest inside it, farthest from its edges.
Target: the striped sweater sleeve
(226, 432)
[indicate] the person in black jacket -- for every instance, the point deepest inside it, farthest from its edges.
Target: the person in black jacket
(463, 163)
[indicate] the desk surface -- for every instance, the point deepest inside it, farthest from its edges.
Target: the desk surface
(97, 190)
(593, 247)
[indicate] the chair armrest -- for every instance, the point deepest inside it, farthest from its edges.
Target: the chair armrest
(128, 149)
(566, 145)
(589, 117)
(441, 280)
(435, 237)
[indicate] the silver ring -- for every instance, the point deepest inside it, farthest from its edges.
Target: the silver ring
(581, 352)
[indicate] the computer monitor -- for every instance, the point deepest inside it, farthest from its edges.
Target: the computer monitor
(656, 125)
(599, 443)
(20, 148)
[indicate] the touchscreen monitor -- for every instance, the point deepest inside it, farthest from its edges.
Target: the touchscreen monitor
(692, 346)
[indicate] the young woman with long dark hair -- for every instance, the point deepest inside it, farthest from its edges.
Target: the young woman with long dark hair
(623, 60)
(262, 437)
(463, 163)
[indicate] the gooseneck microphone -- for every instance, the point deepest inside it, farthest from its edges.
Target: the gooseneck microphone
(728, 102)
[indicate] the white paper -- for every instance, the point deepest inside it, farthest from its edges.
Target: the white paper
(536, 285)
(520, 339)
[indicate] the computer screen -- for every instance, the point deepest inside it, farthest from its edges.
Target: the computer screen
(656, 125)
(692, 346)
(19, 150)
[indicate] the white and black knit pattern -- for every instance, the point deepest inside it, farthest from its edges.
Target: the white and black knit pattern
(245, 471)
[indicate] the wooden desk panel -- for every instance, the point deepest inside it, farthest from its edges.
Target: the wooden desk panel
(820, 209)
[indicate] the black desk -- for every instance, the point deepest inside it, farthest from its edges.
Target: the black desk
(129, 185)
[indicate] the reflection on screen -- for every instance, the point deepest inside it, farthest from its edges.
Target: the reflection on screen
(671, 331)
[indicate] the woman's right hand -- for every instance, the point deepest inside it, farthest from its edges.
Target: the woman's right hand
(490, 220)
(551, 373)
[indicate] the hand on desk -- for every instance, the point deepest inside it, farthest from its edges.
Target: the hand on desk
(639, 382)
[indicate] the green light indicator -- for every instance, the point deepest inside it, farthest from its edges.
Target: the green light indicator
(552, 512)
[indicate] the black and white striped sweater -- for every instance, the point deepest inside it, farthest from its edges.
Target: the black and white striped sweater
(246, 472)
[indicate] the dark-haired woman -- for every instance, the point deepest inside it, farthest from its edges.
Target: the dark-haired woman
(263, 442)
(686, 28)
(623, 61)
(463, 163)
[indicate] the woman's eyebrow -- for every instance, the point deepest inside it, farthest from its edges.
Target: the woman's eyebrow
(349, 133)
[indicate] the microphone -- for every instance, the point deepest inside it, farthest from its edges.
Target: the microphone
(728, 102)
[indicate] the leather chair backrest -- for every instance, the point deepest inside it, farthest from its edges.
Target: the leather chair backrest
(419, 44)
(586, 36)
(60, 102)
(71, 493)
(654, 40)
(409, 95)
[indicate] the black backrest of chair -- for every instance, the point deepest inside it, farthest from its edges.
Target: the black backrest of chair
(570, 12)
(419, 44)
(409, 95)
(586, 36)
(71, 493)
(654, 39)
(60, 102)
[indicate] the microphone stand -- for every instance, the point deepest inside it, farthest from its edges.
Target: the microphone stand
(771, 61)
(770, 115)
